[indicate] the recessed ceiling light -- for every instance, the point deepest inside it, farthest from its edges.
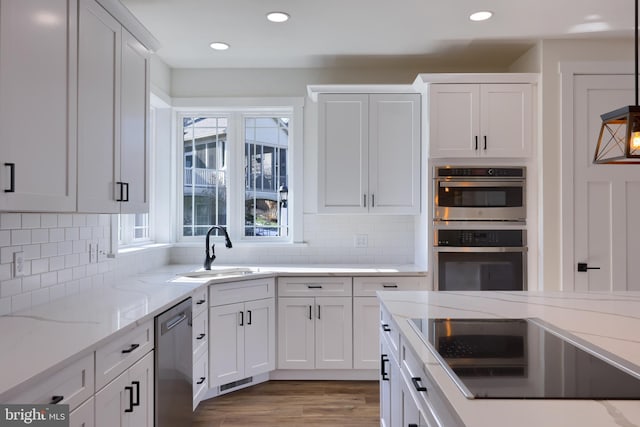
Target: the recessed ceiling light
(219, 46)
(278, 16)
(483, 15)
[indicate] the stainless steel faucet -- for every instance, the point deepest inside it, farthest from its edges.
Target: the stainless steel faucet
(208, 259)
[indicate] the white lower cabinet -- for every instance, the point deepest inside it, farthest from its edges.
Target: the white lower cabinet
(242, 334)
(315, 323)
(390, 386)
(83, 415)
(366, 314)
(128, 400)
(315, 333)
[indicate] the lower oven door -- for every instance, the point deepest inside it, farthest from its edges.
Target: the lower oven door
(480, 269)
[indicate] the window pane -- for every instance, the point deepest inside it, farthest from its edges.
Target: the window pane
(266, 142)
(204, 177)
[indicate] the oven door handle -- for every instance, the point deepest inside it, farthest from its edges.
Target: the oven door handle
(441, 249)
(484, 184)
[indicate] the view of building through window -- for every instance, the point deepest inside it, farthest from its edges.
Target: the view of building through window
(206, 173)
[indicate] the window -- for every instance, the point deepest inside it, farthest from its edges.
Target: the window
(235, 166)
(133, 228)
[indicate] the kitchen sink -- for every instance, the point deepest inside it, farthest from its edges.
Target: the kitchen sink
(221, 272)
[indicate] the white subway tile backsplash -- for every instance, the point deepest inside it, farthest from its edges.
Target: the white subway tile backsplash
(48, 249)
(6, 253)
(20, 237)
(72, 233)
(56, 234)
(5, 238)
(5, 306)
(30, 283)
(48, 279)
(30, 220)
(10, 288)
(5, 272)
(79, 246)
(65, 275)
(41, 296)
(40, 235)
(79, 220)
(56, 263)
(57, 292)
(10, 221)
(65, 247)
(31, 252)
(21, 301)
(65, 220)
(48, 220)
(85, 233)
(39, 266)
(79, 272)
(92, 220)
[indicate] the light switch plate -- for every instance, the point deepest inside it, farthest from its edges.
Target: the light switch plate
(18, 264)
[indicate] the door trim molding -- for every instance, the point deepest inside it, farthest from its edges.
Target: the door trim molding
(568, 71)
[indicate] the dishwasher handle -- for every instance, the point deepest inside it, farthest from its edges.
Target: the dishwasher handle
(173, 322)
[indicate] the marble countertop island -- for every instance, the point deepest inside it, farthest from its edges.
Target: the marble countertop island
(40, 340)
(610, 321)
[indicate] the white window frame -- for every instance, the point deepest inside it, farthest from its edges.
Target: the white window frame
(236, 109)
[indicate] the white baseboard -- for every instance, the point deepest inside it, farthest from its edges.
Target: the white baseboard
(326, 374)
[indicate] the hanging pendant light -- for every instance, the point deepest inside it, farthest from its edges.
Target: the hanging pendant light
(619, 140)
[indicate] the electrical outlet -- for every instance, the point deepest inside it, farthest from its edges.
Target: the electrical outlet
(18, 264)
(361, 241)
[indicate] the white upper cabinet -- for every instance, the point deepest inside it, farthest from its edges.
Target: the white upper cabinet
(113, 75)
(480, 120)
(38, 42)
(369, 153)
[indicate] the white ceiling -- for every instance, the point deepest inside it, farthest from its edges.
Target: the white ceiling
(324, 33)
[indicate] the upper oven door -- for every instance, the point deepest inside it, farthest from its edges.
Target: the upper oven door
(479, 200)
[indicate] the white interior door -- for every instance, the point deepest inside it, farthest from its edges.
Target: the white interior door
(606, 197)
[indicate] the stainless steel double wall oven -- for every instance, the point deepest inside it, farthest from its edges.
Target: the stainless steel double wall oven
(479, 216)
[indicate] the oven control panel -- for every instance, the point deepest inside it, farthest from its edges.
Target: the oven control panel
(474, 172)
(479, 238)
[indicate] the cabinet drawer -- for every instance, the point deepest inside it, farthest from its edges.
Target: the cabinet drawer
(368, 286)
(246, 290)
(200, 301)
(71, 385)
(390, 330)
(429, 399)
(200, 380)
(314, 286)
(200, 333)
(119, 354)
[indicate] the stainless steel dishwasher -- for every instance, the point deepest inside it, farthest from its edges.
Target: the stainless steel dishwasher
(174, 366)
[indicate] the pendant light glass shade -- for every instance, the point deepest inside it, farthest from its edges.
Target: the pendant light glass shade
(619, 140)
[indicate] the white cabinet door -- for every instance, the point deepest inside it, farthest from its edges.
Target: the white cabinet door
(453, 120)
(134, 130)
(128, 400)
(112, 401)
(410, 411)
(395, 376)
(296, 342)
(366, 333)
(343, 153)
(506, 120)
(99, 58)
(38, 105)
(369, 153)
(259, 336)
(333, 333)
(142, 380)
(486, 120)
(394, 153)
(385, 385)
(226, 343)
(83, 415)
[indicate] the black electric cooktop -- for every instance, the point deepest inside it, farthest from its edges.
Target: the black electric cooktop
(525, 359)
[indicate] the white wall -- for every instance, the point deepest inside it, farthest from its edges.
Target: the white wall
(552, 53)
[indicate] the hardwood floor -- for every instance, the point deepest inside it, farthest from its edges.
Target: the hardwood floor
(295, 403)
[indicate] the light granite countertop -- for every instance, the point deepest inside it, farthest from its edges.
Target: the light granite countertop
(610, 321)
(40, 340)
